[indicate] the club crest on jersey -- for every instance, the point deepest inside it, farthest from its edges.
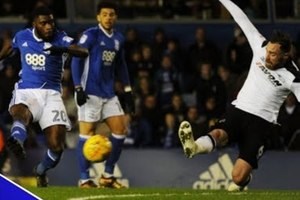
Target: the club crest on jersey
(83, 39)
(117, 45)
(67, 39)
(46, 46)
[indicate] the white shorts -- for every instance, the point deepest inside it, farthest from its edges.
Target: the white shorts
(97, 108)
(46, 106)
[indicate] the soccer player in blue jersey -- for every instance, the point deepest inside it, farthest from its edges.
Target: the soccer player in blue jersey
(37, 95)
(94, 79)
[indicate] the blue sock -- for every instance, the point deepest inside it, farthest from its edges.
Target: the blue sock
(84, 164)
(50, 160)
(117, 144)
(18, 131)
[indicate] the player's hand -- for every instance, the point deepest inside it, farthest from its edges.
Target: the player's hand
(81, 96)
(57, 50)
(129, 102)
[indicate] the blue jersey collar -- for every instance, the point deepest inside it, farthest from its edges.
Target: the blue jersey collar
(35, 37)
(104, 31)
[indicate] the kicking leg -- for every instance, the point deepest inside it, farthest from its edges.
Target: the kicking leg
(203, 144)
(22, 117)
(55, 137)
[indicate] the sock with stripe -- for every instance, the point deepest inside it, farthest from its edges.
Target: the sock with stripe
(84, 164)
(50, 160)
(18, 131)
(117, 144)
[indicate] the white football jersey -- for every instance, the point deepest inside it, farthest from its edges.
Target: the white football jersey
(264, 90)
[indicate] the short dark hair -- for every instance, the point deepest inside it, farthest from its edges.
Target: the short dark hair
(283, 39)
(107, 4)
(41, 10)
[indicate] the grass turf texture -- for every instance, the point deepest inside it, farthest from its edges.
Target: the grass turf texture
(74, 193)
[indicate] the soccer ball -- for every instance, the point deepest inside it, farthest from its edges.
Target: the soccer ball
(97, 148)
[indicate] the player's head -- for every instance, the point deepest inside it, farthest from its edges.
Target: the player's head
(43, 23)
(278, 50)
(107, 14)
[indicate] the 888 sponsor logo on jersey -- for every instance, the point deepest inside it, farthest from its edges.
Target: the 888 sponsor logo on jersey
(108, 57)
(37, 61)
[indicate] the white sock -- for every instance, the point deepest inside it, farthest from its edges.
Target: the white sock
(204, 144)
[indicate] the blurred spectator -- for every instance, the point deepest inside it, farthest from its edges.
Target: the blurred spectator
(207, 84)
(167, 81)
(289, 118)
(239, 53)
(150, 124)
(149, 66)
(230, 80)
(176, 53)
(7, 8)
(173, 115)
(132, 42)
(158, 44)
(135, 66)
(202, 50)
(142, 89)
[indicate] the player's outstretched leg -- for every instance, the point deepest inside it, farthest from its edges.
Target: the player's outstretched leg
(204, 144)
(51, 159)
(186, 137)
(16, 140)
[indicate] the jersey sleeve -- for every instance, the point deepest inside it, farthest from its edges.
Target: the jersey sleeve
(254, 37)
(77, 64)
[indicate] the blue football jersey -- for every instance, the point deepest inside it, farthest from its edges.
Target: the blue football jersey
(96, 73)
(40, 69)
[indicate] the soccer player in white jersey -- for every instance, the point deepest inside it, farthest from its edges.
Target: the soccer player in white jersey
(37, 95)
(94, 79)
(272, 76)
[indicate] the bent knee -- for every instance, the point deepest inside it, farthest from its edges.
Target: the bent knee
(220, 137)
(241, 172)
(21, 112)
(238, 178)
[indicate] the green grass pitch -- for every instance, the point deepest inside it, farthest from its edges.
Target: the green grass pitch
(74, 193)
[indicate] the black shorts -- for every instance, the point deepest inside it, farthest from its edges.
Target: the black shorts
(249, 131)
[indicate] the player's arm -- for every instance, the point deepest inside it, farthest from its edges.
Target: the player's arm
(254, 37)
(77, 51)
(124, 77)
(77, 68)
(72, 50)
